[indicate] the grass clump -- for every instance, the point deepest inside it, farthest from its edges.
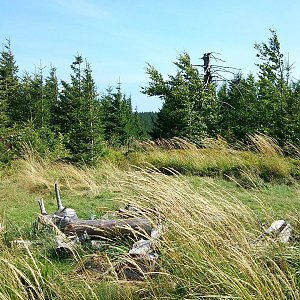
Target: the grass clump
(260, 161)
(207, 250)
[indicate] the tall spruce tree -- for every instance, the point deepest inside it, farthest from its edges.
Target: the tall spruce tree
(79, 114)
(92, 110)
(274, 89)
(189, 109)
(9, 85)
(51, 95)
(40, 107)
(239, 108)
(23, 109)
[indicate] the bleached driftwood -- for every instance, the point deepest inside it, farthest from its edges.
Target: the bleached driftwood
(67, 221)
(280, 229)
(142, 260)
(62, 216)
(129, 222)
(147, 247)
(97, 229)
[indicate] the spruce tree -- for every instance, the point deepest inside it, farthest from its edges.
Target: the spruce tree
(273, 87)
(119, 121)
(51, 95)
(24, 108)
(189, 108)
(79, 114)
(40, 108)
(91, 117)
(239, 114)
(9, 85)
(8, 97)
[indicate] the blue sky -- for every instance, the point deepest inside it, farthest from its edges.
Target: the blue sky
(118, 37)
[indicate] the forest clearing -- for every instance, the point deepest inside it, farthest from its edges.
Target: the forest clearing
(196, 200)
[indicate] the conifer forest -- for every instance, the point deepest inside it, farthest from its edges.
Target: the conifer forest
(70, 120)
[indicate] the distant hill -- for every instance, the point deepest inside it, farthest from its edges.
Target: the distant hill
(147, 120)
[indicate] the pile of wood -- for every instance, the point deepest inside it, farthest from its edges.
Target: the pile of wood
(130, 222)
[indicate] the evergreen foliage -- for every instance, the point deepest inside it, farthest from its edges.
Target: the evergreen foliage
(78, 114)
(60, 119)
(51, 95)
(268, 104)
(239, 108)
(147, 120)
(120, 123)
(8, 96)
(273, 88)
(189, 107)
(43, 141)
(8, 85)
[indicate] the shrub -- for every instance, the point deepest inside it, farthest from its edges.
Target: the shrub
(42, 141)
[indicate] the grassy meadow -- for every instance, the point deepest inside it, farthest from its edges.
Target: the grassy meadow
(214, 201)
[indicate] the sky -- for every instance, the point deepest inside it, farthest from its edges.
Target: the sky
(119, 37)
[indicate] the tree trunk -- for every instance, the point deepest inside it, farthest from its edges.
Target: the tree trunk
(97, 229)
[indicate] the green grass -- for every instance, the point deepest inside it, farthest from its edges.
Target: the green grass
(280, 200)
(248, 167)
(210, 221)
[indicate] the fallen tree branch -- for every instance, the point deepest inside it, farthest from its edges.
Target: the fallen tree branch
(97, 229)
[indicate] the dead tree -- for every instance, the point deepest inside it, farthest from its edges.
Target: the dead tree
(213, 72)
(66, 220)
(207, 68)
(131, 222)
(99, 229)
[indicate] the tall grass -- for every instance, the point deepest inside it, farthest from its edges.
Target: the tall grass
(207, 249)
(262, 160)
(265, 144)
(36, 173)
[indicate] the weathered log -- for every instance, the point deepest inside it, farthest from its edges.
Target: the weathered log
(97, 229)
(65, 247)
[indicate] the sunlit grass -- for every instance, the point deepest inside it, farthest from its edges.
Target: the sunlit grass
(207, 249)
(259, 162)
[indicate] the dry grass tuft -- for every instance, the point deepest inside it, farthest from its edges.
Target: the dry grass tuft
(165, 144)
(266, 145)
(207, 249)
(35, 173)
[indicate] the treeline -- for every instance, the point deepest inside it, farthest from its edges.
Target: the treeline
(61, 120)
(70, 120)
(268, 103)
